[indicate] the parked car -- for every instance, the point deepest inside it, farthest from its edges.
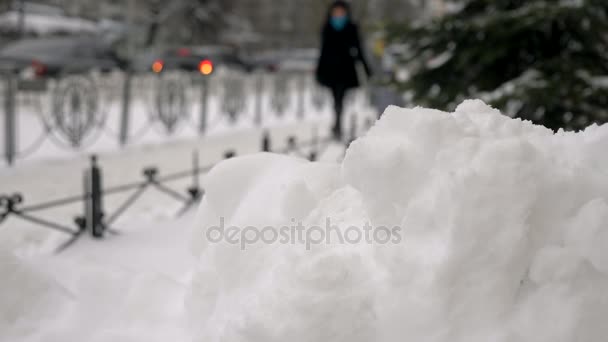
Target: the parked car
(193, 58)
(52, 57)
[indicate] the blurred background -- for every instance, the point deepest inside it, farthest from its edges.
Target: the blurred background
(543, 60)
(261, 32)
(251, 24)
(143, 63)
(90, 76)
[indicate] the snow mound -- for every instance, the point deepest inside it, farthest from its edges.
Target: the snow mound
(502, 237)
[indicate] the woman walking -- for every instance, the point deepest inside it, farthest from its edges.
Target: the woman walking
(340, 53)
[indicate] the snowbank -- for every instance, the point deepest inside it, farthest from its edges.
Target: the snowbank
(501, 224)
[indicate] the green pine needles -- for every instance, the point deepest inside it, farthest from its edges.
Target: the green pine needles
(544, 61)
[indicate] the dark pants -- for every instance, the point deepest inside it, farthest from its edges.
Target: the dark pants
(339, 93)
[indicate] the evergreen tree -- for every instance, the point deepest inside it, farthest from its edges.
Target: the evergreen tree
(541, 60)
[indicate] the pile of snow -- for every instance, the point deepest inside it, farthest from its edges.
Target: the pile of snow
(503, 237)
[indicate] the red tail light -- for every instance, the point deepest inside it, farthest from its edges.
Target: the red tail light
(205, 67)
(158, 65)
(40, 69)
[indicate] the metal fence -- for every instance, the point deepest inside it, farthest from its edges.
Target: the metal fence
(97, 222)
(75, 112)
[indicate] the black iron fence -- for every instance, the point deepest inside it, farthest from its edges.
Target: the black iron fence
(97, 221)
(76, 111)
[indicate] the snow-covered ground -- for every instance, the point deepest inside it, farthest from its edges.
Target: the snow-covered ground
(48, 180)
(496, 232)
(127, 288)
(93, 290)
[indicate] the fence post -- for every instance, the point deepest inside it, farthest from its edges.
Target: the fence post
(195, 189)
(258, 102)
(266, 142)
(229, 154)
(10, 123)
(94, 207)
(126, 106)
(301, 96)
(353, 129)
(202, 125)
(315, 145)
(292, 145)
(368, 124)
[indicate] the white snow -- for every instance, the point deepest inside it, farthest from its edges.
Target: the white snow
(503, 237)
(129, 287)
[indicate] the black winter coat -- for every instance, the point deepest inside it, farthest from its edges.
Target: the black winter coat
(340, 52)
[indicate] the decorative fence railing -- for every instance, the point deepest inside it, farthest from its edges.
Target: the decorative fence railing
(77, 111)
(98, 222)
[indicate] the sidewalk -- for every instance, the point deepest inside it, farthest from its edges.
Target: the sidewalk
(41, 182)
